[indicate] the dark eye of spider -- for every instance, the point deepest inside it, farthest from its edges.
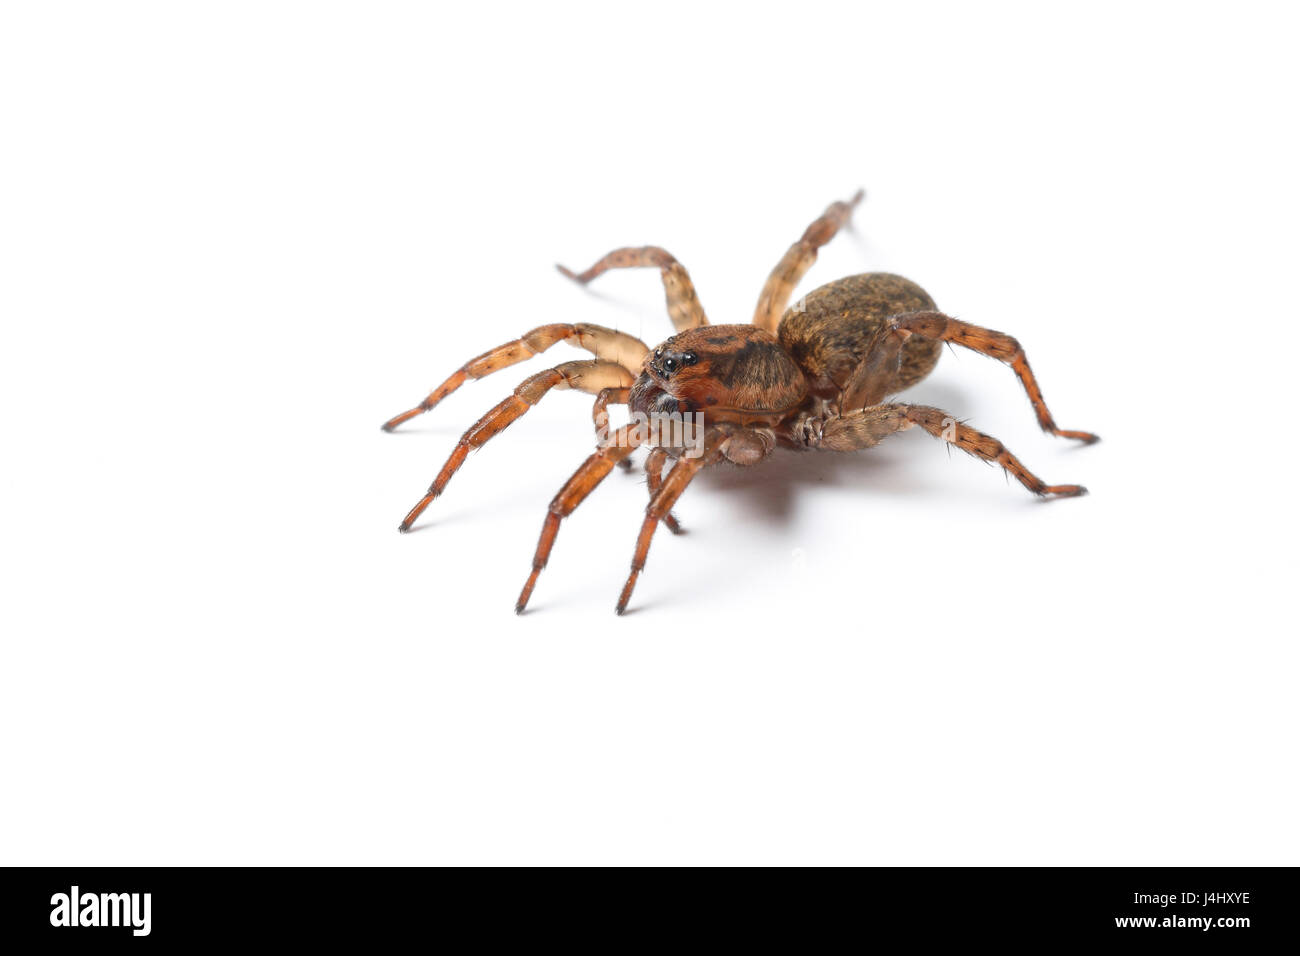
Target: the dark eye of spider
(670, 364)
(690, 358)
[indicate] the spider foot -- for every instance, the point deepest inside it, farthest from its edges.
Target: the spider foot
(1064, 491)
(396, 420)
(527, 592)
(1087, 438)
(415, 512)
(570, 274)
(627, 593)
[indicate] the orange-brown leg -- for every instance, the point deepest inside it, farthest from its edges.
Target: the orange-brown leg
(1004, 348)
(604, 343)
(654, 474)
(589, 376)
(600, 410)
(661, 504)
(877, 374)
(600, 416)
(797, 260)
(872, 425)
(684, 307)
(591, 473)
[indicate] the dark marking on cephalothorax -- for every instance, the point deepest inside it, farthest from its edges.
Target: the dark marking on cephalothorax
(747, 365)
(737, 368)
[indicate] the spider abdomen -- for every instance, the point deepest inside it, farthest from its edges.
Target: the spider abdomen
(831, 329)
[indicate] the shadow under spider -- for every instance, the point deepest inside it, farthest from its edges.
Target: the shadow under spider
(770, 491)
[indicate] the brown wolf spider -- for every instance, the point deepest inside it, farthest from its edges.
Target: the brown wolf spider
(814, 376)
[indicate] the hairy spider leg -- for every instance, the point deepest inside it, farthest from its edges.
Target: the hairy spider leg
(871, 379)
(654, 470)
(589, 474)
(871, 425)
(593, 376)
(679, 476)
(600, 416)
(684, 307)
(797, 260)
(607, 344)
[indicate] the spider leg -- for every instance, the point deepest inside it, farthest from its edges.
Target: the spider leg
(679, 476)
(589, 375)
(797, 260)
(600, 417)
(936, 325)
(654, 469)
(684, 307)
(604, 343)
(871, 425)
(589, 474)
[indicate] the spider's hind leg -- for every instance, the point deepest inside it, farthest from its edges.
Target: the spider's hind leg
(998, 345)
(872, 425)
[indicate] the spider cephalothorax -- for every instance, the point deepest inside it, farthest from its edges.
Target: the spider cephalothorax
(815, 376)
(731, 373)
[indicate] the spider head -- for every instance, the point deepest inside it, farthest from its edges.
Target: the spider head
(728, 372)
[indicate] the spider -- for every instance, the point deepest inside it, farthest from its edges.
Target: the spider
(814, 376)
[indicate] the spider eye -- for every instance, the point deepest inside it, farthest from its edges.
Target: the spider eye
(690, 358)
(670, 364)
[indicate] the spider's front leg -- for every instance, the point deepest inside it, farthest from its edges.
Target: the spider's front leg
(654, 476)
(743, 446)
(600, 416)
(591, 473)
(684, 307)
(591, 375)
(873, 378)
(605, 344)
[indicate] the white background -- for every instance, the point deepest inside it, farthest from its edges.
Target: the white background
(237, 237)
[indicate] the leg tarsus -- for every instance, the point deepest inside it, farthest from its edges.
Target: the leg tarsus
(550, 528)
(453, 382)
(684, 308)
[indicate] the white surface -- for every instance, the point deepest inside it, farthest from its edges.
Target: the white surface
(237, 238)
